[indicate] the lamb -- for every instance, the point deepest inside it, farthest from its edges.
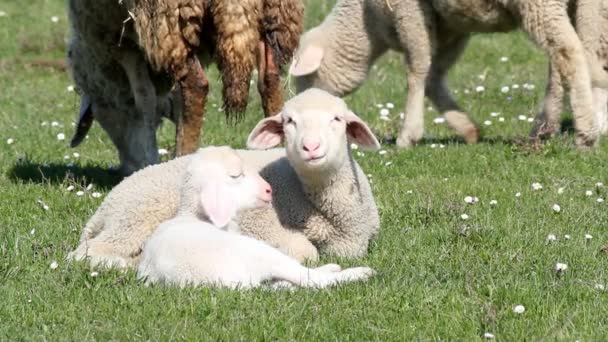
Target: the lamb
(186, 250)
(157, 45)
(320, 203)
(595, 42)
(337, 54)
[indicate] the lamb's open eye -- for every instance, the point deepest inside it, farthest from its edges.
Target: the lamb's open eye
(336, 119)
(289, 120)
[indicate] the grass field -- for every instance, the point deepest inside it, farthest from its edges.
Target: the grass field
(440, 277)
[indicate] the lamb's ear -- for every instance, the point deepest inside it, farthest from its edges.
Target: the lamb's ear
(359, 133)
(307, 60)
(267, 133)
(217, 204)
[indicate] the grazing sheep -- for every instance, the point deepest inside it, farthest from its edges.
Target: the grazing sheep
(325, 202)
(337, 54)
(186, 250)
(590, 15)
(151, 46)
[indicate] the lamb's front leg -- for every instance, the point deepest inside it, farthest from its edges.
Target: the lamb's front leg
(194, 86)
(263, 224)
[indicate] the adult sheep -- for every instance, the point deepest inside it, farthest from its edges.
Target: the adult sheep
(337, 54)
(151, 40)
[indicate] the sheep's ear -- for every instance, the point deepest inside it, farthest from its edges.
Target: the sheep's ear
(267, 133)
(85, 120)
(217, 204)
(307, 61)
(359, 133)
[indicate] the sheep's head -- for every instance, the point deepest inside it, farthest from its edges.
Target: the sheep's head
(317, 65)
(224, 185)
(316, 127)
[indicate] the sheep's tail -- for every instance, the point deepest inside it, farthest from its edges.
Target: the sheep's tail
(167, 30)
(93, 227)
(237, 25)
(283, 24)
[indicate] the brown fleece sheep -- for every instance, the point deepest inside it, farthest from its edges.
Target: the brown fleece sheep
(145, 45)
(237, 33)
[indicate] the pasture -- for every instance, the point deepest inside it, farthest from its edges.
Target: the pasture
(441, 275)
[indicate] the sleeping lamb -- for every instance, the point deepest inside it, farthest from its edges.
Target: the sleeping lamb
(322, 199)
(194, 249)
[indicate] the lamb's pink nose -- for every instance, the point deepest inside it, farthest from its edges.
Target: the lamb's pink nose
(311, 146)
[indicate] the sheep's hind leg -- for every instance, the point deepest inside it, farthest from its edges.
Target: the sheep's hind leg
(547, 120)
(566, 51)
(194, 86)
(269, 81)
(439, 93)
(417, 35)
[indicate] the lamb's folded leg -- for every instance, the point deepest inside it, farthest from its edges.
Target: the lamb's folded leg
(194, 86)
(269, 81)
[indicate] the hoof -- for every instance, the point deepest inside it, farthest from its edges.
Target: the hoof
(585, 141)
(405, 142)
(471, 136)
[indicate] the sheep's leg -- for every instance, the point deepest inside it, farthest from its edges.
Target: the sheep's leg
(565, 50)
(600, 106)
(194, 86)
(439, 93)
(269, 81)
(417, 36)
(99, 254)
(142, 130)
(547, 120)
(288, 269)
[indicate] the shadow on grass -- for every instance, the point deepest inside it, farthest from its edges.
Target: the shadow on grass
(31, 172)
(566, 127)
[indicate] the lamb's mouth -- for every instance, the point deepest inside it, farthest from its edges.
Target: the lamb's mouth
(315, 160)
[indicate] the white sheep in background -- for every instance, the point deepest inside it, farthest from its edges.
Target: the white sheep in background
(337, 54)
(323, 202)
(192, 248)
(592, 27)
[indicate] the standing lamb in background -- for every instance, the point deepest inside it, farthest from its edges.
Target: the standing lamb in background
(322, 199)
(110, 61)
(337, 54)
(192, 248)
(592, 27)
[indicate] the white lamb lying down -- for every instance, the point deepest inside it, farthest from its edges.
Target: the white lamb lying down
(200, 246)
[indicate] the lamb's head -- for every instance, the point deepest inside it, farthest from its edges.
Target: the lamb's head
(218, 184)
(317, 127)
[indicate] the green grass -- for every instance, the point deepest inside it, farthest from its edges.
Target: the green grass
(439, 277)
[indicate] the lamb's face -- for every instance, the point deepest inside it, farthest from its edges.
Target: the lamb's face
(227, 185)
(317, 128)
(315, 139)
